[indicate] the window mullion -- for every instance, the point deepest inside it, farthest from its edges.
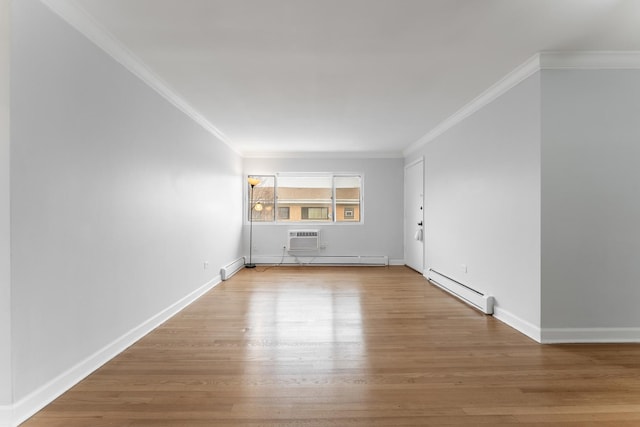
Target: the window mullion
(333, 199)
(275, 198)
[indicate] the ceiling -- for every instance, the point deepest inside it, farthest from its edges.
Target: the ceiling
(357, 76)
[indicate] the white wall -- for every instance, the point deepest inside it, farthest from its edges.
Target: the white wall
(381, 232)
(5, 264)
(117, 199)
(590, 198)
(482, 202)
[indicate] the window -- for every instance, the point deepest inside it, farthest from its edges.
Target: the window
(262, 200)
(283, 212)
(305, 197)
(319, 214)
(348, 197)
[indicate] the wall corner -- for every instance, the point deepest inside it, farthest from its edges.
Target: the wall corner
(6, 381)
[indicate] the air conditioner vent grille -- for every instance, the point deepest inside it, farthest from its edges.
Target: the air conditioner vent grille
(303, 234)
(303, 240)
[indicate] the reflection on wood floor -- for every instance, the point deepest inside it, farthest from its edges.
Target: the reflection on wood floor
(348, 346)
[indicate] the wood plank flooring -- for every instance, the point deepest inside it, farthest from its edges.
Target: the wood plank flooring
(348, 346)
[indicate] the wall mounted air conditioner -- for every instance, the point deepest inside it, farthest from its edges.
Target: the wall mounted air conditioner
(303, 240)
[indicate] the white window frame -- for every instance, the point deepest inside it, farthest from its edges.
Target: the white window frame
(333, 222)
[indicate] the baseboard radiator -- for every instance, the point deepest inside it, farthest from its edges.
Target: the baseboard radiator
(303, 258)
(340, 260)
(232, 268)
(471, 296)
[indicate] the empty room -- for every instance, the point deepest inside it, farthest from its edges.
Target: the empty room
(319, 212)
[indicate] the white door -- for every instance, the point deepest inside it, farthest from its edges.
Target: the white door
(414, 215)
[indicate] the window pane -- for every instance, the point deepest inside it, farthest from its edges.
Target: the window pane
(283, 213)
(261, 201)
(348, 196)
(307, 197)
(314, 213)
(311, 197)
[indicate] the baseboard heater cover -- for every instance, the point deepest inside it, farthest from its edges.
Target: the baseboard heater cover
(471, 296)
(232, 268)
(299, 259)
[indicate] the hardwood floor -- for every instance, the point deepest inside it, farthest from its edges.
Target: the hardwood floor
(351, 346)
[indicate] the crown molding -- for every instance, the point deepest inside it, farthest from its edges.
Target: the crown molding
(587, 60)
(323, 155)
(79, 19)
(28, 405)
(594, 60)
(520, 73)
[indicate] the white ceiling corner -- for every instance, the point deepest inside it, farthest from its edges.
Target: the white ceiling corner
(78, 18)
(376, 78)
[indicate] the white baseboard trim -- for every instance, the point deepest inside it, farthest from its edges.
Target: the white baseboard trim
(302, 258)
(38, 399)
(590, 335)
(396, 261)
(520, 325)
(6, 416)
